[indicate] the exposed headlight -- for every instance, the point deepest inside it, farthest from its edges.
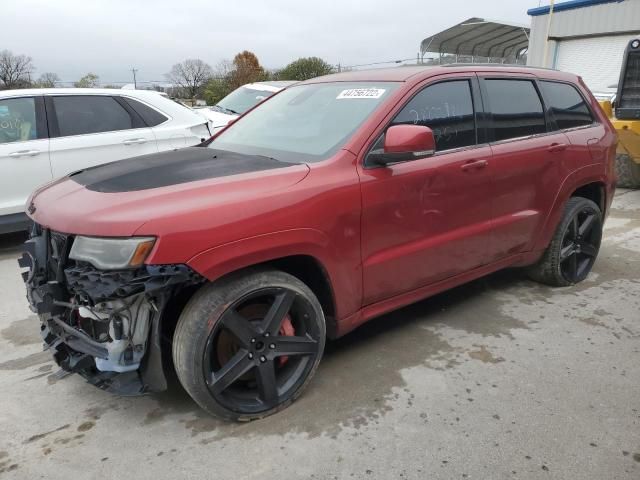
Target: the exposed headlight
(112, 253)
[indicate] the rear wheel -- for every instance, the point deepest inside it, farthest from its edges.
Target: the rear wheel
(574, 247)
(628, 172)
(247, 346)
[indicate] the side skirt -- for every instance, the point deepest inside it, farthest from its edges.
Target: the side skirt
(379, 308)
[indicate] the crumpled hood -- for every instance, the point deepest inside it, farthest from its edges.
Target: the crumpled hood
(116, 199)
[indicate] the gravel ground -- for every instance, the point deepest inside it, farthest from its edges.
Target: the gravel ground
(500, 378)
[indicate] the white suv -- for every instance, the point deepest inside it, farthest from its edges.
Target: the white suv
(239, 101)
(48, 133)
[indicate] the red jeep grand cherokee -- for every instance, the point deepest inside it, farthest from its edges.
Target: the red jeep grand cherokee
(335, 201)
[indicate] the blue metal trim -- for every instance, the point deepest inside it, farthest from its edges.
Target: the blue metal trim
(570, 5)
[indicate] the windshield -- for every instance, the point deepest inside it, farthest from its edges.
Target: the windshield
(242, 99)
(305, 123)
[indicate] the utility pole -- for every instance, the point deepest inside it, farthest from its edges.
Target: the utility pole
(135, 84)
(546, 40)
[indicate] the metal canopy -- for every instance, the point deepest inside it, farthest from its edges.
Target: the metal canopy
(479, 38)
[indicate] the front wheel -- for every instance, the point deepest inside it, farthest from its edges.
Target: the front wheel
(574, 247)
(247, 346)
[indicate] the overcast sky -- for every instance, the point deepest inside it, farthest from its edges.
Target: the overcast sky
(73, 37)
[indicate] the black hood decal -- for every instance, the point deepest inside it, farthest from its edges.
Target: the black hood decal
(170, 168)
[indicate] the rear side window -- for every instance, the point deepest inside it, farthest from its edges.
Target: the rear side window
(446, 108)
(17, 120)
(516, 108)
(567, 106)
(149, 115)
(83, 114)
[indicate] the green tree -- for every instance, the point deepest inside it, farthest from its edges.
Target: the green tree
(90, 80)
(216, 89)
(304, 69)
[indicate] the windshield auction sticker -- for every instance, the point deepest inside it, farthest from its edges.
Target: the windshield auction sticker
(361, 93)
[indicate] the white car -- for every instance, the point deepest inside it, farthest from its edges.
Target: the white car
(239, 101)
(48, 133)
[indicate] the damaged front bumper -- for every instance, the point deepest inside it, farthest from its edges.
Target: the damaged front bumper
(104, 325)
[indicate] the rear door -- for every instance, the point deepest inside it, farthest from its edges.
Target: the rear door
(89, 130)
(570, 114)
(169, 134)
(529, 159)
(24, 150)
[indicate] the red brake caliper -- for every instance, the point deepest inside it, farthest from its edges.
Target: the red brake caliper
(286, 330)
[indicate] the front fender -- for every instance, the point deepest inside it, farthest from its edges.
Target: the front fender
(345, 278)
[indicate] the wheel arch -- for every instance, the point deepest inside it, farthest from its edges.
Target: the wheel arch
(585, 183)
(304, 254)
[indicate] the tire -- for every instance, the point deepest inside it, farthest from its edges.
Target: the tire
(574, 247)
(246, 347)
(628, 172)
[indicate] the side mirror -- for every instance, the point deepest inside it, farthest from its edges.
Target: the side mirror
(403, 143)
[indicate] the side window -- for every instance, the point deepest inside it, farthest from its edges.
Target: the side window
(150, 116)
(446, 108)
(516, 108)
(17, 120)
(82, 114)
(566, 104)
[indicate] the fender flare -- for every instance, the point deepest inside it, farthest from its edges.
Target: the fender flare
(572, 182)
(223, 259)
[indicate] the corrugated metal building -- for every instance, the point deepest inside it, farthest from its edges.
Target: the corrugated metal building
(586, 37)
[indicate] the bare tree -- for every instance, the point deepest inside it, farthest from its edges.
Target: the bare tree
(48, 80)
(190, 75)
(15, 70)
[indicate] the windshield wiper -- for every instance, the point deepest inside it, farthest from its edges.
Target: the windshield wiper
(227, 109)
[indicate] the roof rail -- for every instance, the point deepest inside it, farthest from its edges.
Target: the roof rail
(499, 65)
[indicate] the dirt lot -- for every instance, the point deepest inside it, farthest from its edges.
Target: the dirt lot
(500, 378)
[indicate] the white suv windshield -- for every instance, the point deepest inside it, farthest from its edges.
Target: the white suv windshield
(305, 123)
(242, 99)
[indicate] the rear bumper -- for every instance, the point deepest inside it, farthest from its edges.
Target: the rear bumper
(103, 325)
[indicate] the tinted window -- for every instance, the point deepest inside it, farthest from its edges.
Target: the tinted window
(82, 114)
(17, 120)
(516, 108)
(566, 105)
(446, 108)
(150, 116)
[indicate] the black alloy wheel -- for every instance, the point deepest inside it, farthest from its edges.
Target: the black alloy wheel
(574, 247)
(580, 245)
(246, 348)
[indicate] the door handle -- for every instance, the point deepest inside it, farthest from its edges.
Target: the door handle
(24, 153)
(474, 165)
(135, 141)
(557, 147)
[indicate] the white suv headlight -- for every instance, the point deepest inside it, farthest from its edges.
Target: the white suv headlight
(112, 253)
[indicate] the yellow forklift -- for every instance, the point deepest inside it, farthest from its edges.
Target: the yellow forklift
(624, 113)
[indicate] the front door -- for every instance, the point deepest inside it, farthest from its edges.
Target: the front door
(24, 151)
(429, 219)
